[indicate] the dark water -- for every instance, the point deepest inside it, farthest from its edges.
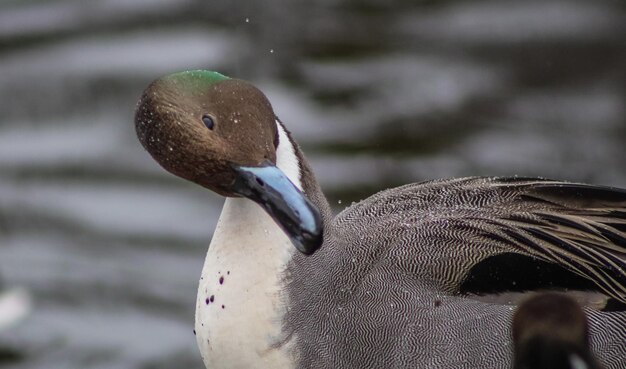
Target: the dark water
(379, 93)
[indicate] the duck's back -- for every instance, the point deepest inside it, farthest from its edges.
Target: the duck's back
(388, 288)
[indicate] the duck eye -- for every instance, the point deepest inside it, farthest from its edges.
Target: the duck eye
(208, 121)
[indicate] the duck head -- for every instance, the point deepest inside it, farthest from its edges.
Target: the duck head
(222, 134)
(550, 330)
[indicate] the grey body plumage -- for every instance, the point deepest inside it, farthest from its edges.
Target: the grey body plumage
(389, 285)
(390, 293)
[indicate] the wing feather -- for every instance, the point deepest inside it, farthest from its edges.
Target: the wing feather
(574, 225)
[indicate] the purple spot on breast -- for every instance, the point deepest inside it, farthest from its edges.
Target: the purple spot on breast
(194, 332)
(206, 301)
(222, 306)
(221, 280)
(211, 298)
(228, 272)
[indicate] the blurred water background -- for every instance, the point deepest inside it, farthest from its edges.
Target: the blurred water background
(378, 93)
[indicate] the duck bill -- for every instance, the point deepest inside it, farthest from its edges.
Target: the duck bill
(269, 187)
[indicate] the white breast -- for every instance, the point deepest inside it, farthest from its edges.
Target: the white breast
(240, 306)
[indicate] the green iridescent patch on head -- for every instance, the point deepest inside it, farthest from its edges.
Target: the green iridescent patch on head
(205, 75)
(196, 78)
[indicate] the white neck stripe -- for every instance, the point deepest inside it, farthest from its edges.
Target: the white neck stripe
(286, 158)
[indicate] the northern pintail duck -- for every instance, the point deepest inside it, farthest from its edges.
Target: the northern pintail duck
(385, 283)
(550, 331)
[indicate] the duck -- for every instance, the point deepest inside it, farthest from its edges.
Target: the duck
(550, 331)
(390, 281)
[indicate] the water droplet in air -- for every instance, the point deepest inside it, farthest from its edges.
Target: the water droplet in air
(247, 20)
(271, 51)
(339, 202)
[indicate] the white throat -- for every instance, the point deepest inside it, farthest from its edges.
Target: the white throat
(286, 158)
(240, 303)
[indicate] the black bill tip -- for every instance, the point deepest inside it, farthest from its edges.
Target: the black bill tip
(284, 202)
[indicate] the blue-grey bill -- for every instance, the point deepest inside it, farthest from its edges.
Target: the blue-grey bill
(284, 202)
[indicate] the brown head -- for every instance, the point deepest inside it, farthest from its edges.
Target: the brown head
(550, 330)
(221, 133)
(198, 124)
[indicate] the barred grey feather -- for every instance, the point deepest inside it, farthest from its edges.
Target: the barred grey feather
(385, 288)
